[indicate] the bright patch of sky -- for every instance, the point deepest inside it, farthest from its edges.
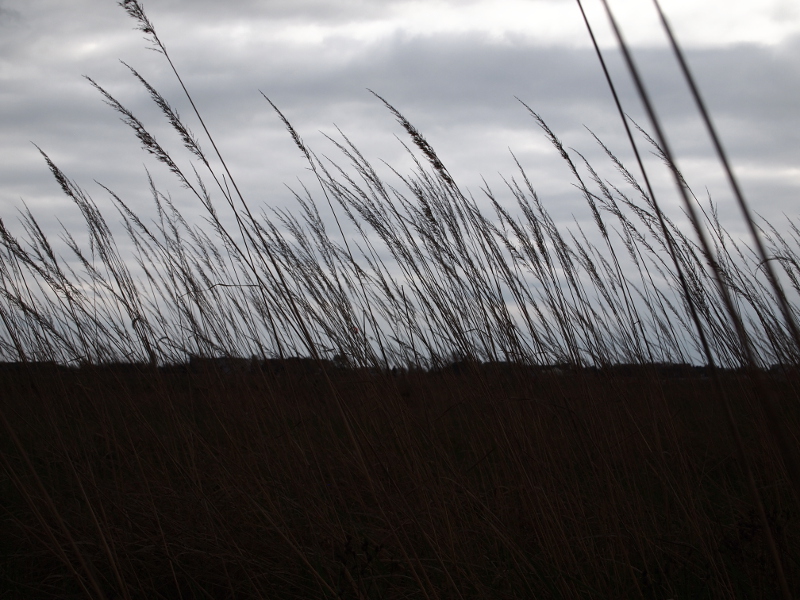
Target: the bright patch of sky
(708, 24)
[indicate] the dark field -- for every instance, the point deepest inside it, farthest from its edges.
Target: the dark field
(490, 481)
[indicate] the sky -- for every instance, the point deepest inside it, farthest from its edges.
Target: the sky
(454, 68)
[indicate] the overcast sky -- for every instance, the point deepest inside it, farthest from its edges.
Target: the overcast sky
(452, 68)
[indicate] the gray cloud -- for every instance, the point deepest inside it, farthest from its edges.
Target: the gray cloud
(457, 89)
(8, 16)
(307, 11)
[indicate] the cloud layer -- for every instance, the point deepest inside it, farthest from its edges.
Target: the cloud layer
(453, 70)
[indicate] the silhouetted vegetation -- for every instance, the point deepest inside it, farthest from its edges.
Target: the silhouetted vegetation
(443, 404)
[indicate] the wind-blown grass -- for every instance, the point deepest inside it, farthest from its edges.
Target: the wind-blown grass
(434, 456)
(427, 276)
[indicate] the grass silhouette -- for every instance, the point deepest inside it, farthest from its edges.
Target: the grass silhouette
(446, 404)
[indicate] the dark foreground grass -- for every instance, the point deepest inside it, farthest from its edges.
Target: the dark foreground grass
(490, 481)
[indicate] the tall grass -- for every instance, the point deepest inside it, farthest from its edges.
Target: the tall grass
(423, 448)
(426, 274)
